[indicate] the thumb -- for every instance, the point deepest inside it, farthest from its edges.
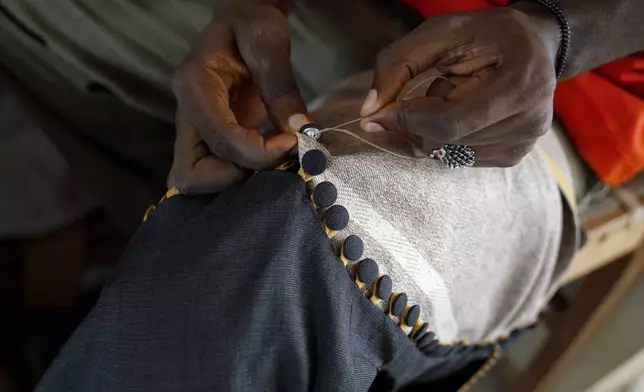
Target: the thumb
(389, 79)
(265, 46)
(396, 66)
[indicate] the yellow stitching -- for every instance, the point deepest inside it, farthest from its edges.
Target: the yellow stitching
(148, 212)
(286, 165)
(487, 366)
(560, 177)
(170, 193)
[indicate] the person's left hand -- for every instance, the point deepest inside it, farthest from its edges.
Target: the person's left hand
(237, 73)
(500, 64)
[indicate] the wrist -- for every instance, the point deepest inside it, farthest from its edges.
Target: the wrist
(545, 24)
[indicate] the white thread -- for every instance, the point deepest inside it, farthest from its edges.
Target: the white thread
(338, 128)
(374, 145)
(422, 82)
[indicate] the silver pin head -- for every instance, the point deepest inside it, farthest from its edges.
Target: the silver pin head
(312, 130)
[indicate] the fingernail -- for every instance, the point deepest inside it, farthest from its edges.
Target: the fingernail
(296, 121)
(370, 102)
(373, 127)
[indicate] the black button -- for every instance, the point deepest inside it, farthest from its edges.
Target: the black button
(353, 248)
(384, 287)
(337, 218)
(424, 340)
(325, 194)
(398, 305)
(367, 271)
(412, 315)
(314, 162)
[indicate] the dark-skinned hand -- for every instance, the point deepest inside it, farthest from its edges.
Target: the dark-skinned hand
(238, 72)
(499, 64)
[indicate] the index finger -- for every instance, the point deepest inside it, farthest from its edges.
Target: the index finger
(205, 97)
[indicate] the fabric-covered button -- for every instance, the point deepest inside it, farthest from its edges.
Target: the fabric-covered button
(324, 195)
(352, 249)
(398, 305)
(313, 163)
(420, 332)
(411, 315)
(366, 272)
(382, 290)
(336, 219)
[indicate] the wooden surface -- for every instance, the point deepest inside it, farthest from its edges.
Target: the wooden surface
(599, 294)
(614, 239)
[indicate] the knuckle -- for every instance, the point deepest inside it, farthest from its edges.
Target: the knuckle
(390, 60)
(541, 129)
(515, 154)
(220, 147)
(540, 124)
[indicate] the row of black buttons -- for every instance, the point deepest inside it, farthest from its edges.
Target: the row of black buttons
(379, 288)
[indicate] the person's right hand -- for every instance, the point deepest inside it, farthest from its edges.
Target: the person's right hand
(238, 71)
(499, 81)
